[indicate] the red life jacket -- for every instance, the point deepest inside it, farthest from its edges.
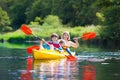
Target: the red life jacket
(56, 44)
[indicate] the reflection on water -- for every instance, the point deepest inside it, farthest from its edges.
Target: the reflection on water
(90, 65)
(15, 45)
(51, 70)
(89, 72)
(27, 74)
(71, 70)
(82, 69)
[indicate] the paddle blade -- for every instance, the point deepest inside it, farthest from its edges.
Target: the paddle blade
(29, 63)
(26, 29)
(30, 49)
(26, 74)
(71, 58)
(89, 35)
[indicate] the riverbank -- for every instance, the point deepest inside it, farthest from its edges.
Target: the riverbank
(45, 32)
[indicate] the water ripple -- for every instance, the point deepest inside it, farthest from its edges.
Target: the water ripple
(98, 57)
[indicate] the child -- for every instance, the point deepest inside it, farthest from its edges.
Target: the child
(62, 43)
(51, 45)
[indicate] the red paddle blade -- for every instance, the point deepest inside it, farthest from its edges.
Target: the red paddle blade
(26, 75)
(26, 29)
(89, 35)
(71, 58)
(30, 49)
(29, 63)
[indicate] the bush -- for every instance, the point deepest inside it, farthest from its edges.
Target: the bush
(112, 22)
(52, 21)
(4, 21)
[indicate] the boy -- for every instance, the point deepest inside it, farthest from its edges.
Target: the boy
(51, 45)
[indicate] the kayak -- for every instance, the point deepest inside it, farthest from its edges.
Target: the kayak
(44, 54)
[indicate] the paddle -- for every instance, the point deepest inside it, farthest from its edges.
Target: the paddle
(28, 31)
(71, 58)
(85, 36)
(88, 35)
(30, 49)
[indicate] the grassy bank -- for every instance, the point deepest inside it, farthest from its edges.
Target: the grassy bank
(45, 32)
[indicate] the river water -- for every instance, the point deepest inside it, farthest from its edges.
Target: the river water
(93, 63)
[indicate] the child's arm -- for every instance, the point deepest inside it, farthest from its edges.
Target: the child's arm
(44, 44)
(59, 48)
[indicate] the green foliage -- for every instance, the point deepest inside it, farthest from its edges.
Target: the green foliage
(37, 21)
(110, 10)
(52, 21)
(80, 30)
(110, 19)
(39, 8)
(45, 33)
(74, 12)
(100, 16)
(113, 22)
(39, 13)
(14, 34)
(4, 21)
(17, 10)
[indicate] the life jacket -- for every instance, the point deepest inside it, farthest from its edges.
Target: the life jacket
(55, 44)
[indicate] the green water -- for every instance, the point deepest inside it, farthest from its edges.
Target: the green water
(93, 63)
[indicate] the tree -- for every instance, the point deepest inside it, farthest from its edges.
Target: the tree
(74, 12)
(17, 10)
(40, 8)
(4, 21)
(111, 12)
(77, 12)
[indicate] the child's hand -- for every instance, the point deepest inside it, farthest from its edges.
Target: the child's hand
(75, 39)
(43, 40)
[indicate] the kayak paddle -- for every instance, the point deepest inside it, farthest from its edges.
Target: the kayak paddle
(30, 49)
(88, 35)
(28, 31)
(71, 58)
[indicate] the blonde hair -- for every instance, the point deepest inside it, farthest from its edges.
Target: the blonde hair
(66, 32)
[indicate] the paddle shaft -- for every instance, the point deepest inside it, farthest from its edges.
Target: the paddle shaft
(36, 36)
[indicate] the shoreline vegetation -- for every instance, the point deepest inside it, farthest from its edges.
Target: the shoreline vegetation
(44, 32)
(52, 24)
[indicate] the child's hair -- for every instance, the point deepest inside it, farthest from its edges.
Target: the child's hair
(54, 35)
(61, 41)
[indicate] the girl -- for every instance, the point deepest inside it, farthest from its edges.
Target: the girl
(68, 43)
